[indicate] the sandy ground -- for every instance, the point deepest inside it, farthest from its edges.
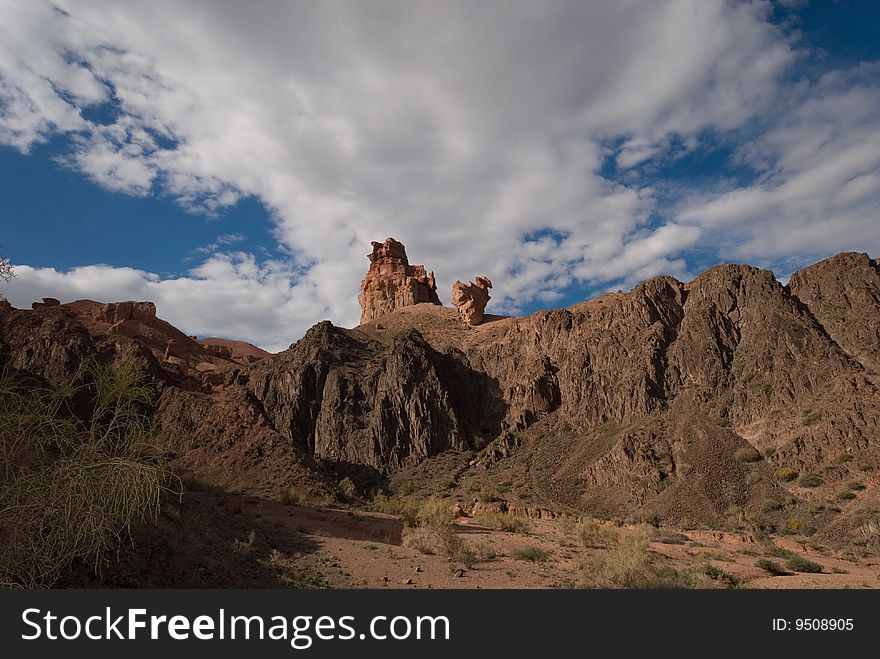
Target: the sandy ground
(216, 539)
(354, 549)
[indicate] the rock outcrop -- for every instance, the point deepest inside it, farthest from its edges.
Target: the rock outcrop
(391, 282)
(470, 299)
(843, 293)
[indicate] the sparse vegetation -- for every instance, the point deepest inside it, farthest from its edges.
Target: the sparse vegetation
(402, 506)
(593, 534)
(747, 454)
(846, 495)
(533, 554)
(348, 488)
(507, 523)
(769, 505)
(72, 486)
(810, 480)
(786, 474)
(811, 417)
(290, 497)
(669, 537)
(245, 547)
(725, 578)
(627, 564)
(488, 494)
(844, 457)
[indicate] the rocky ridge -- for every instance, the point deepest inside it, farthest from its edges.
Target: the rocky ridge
(678, 402)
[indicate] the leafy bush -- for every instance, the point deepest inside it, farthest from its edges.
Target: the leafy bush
(348, 488)
(719, 575)
(801, 564)
(810, 480)
(70, 487)
(786, 474)
(769, 566)
(533, 554)
(747, 454)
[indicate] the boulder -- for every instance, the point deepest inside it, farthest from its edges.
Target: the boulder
(391, 282)
(470, 299)
(176, 349)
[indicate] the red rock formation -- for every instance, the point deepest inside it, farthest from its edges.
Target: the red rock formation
(176, 349)
(391, 282)
(115, 312)
(239, 351)
(470, 299)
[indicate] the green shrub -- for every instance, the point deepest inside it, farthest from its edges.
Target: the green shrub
(71, 487)
(810, 480)
(769, 566)
(780, 552)
(747, 454)
(786, 474)
(801, 564)
(533, 554)
(725, 578)
(846, 495)
(348, 488)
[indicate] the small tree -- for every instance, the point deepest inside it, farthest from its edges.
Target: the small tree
(6, 271)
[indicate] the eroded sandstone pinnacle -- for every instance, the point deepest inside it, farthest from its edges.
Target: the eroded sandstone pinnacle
(391, 282)
(470, 299)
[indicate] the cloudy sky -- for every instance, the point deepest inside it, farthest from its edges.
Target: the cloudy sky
(232, 161)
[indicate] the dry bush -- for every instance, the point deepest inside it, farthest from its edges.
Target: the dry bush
(405, 507)
(533, 554)
(433, 532)
(71, 487)
(628, 565)
(747, 454)
(593, 534)
(507, 523)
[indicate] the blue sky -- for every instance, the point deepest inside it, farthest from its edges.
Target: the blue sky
(233, 166)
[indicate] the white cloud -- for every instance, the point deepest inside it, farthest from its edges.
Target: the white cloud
(473, 133)
(231, 292)
(819, 189)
